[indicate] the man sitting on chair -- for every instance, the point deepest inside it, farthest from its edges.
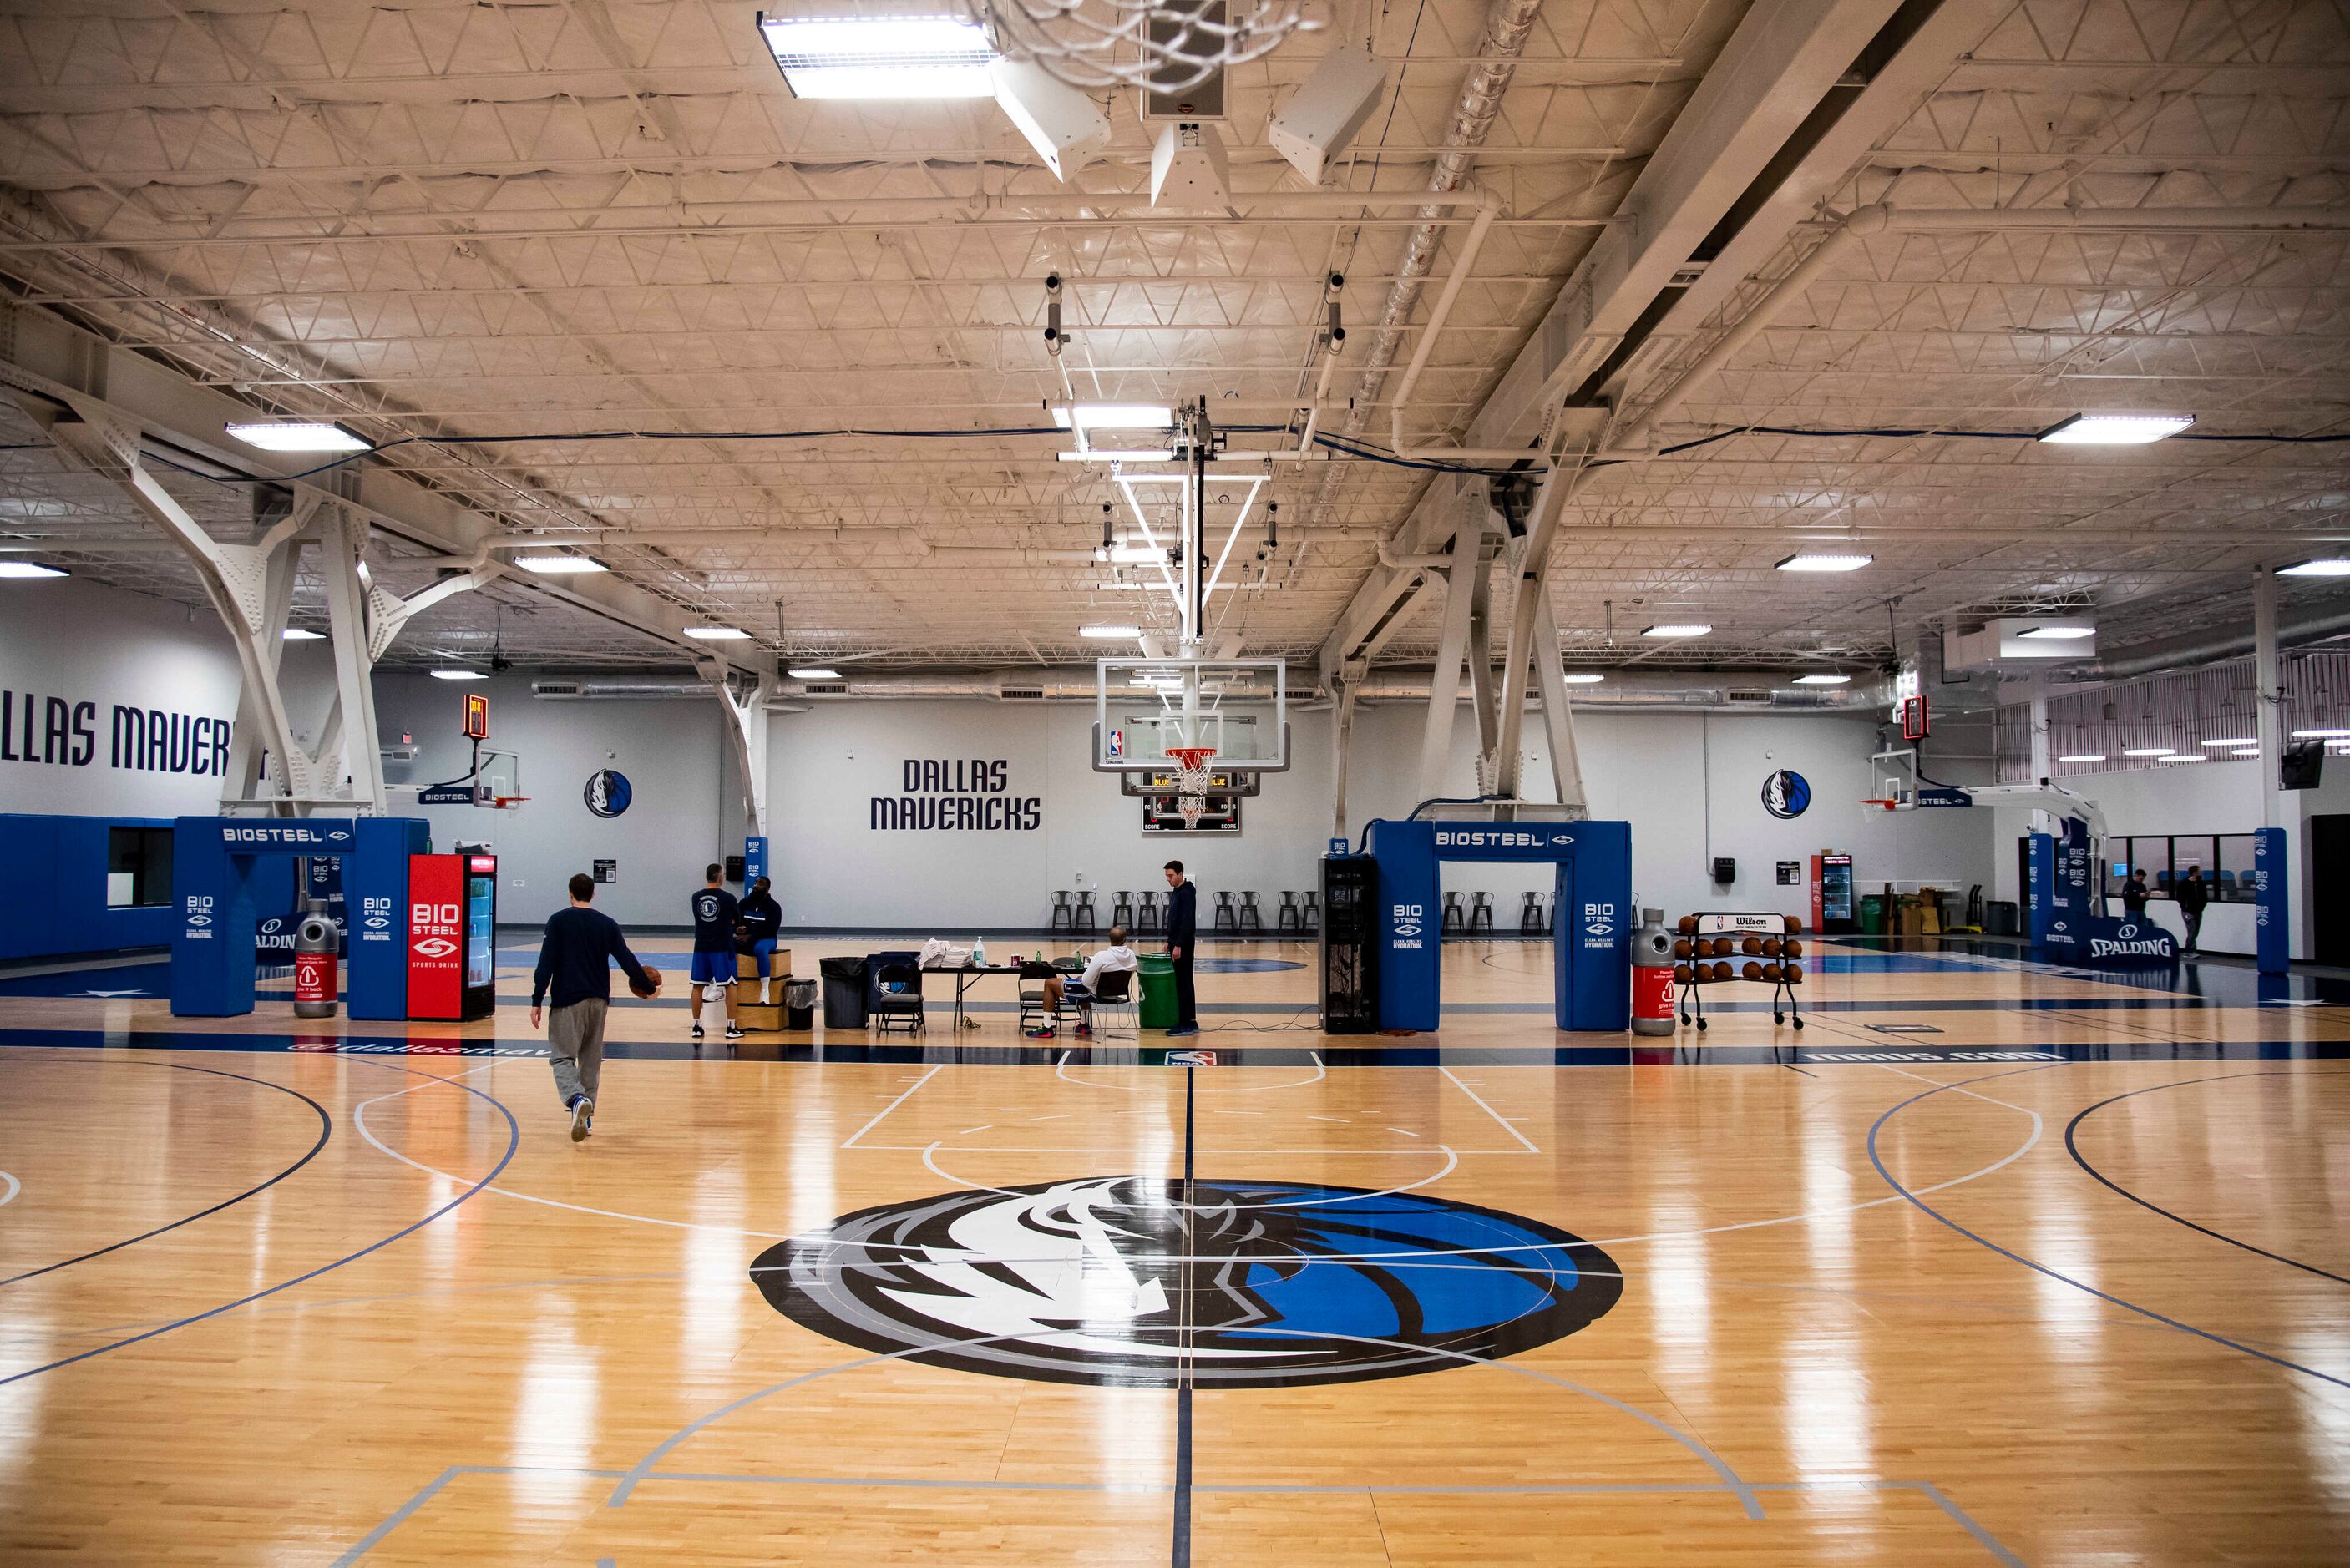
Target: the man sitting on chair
(1080, 990)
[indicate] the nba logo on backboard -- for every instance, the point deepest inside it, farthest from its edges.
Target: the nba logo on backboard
(1117, 747)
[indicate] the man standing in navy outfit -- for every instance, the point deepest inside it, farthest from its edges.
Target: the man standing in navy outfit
(1182, 939)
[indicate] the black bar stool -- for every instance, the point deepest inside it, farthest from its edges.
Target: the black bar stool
(1149, 916)
(1480, 911)
(1286, 918)
(1226, 920)
(1064, 917)
(1121, 911)
(1251, 921)
(1313, 911)
(1530, 916)
(1084, 918)
(1452, 913)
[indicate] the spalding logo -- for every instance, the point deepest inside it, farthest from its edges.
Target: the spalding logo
(436, 947)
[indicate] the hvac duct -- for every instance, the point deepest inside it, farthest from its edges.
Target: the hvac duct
(2309, 623)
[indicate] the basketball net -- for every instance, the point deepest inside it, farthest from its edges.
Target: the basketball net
(1192, 779)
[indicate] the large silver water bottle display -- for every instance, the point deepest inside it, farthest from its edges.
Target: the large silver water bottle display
(317, 993)
(1652, 975)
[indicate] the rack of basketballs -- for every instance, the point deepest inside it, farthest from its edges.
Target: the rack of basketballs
(1715, 949)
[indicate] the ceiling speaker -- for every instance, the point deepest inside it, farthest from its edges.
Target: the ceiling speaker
(1319, 123)
(1067, 128)
(1189, 168)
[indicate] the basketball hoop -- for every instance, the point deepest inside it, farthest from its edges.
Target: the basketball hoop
(1191, 775)
(1190, 808)
(1887, 804)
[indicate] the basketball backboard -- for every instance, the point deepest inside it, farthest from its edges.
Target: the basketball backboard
(1144, 709)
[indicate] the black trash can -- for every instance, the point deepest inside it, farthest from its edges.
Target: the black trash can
(1998, 919)
(844, 991)
(799, 1004)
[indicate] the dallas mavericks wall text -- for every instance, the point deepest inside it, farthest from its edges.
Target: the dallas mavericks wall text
(54, 733)
(962, 794)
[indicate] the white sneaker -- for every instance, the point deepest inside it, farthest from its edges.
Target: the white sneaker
(582, 1109)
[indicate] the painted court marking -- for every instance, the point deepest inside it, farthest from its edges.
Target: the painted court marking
(1489, 1110)
(892, 1106)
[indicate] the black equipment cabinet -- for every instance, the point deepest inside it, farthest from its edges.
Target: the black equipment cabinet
(1350, 945)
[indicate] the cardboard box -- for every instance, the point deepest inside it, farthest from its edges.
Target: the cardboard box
(751, 1015)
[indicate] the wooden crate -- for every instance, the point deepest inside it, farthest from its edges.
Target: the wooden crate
(751, 1015)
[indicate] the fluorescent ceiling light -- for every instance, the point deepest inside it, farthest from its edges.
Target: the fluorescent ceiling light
(2251, 753)
(813, 674)
(559, 566)
(2320, 568)
(2060, 633)
(459, 675)
(1690, 630)
(2319, 735)
(2115, 430)
(2185, 757)
(300, 435)
(303, 634)
(27, 569)
(881, 56)
(2084, 757)
(1119, 454)
(2248, 740)
(1116, 416)
(1148, 554)
(1584, 678)
(1824, 562)
(1106, 633)
(2146, 751)
(1823, 680)
(716, 633)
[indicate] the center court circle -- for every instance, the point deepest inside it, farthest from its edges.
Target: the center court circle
(1285, 1283)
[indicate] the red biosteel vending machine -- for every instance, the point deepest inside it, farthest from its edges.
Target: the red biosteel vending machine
(452, 921)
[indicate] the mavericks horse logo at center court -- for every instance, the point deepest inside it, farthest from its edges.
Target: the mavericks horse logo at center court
(1129, 1280)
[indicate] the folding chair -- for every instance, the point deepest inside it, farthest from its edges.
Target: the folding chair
(894, 992)
(1113, 995)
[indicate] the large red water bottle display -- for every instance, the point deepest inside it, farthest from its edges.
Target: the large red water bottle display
(1652, 976)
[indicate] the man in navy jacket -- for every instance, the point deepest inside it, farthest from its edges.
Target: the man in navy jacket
(1182, 938)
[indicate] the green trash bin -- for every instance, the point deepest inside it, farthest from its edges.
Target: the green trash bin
(1155, 1007)
(1872, 914)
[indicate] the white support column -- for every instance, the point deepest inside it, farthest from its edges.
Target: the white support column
(1558, 716)
(1453, 649)
(2270, 694)
(353, 732)
(2041, 762)
(1341, 733)
(747, 738)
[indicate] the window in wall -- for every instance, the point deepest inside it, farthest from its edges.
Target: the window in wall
(138, 866)
(2233, 853)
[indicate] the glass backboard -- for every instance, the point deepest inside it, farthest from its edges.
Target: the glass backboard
(1144, 709)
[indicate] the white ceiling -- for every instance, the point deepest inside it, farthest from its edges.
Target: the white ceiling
(463, 218)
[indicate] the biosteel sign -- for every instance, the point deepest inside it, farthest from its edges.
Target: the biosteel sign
(436, 936)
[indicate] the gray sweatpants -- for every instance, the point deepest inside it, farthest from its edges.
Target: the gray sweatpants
(575, 1047)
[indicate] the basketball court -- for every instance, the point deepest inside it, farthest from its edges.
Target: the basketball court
(2001, 1263)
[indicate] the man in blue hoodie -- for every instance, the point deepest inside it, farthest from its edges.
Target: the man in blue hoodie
(574, 960)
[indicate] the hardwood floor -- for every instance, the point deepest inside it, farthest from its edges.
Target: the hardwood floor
(2064, 1281)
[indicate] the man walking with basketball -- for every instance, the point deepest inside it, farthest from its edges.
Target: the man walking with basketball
(574, 961)
(1182, 941)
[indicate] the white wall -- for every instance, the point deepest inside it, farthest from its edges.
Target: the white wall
(68, 639)
(669, 750)
(1690, 785)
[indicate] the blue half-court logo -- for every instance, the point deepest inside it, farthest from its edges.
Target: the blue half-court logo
(607, 793)
(1137, 1281)
(1785, 794)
